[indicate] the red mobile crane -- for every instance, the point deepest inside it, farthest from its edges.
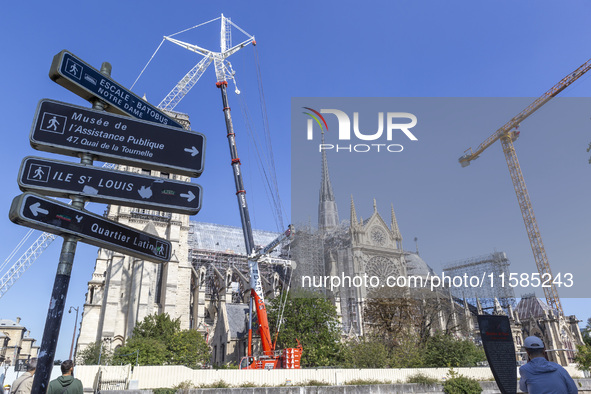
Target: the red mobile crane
(271, 358)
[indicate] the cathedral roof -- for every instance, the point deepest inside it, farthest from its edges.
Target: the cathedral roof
(237, 319)
(531, 306)
(222, 238)
(415, 265)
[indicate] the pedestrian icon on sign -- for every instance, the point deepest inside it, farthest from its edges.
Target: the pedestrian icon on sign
(38, 173)
(160, 249)
(73, 68)
(53, 123)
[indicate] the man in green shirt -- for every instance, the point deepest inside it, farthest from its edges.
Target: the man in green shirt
(67, 383)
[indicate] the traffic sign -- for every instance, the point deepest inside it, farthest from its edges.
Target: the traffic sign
(71, 130)
(46, 214)
(88, 83)
(63, 179)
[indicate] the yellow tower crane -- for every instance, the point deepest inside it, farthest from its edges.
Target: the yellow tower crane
(508, 134)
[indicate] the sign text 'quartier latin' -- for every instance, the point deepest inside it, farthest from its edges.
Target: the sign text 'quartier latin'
(68, 129)
(47, 214)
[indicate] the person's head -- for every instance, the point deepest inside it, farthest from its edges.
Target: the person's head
(32, 365)
(534, 347)
(67, 367)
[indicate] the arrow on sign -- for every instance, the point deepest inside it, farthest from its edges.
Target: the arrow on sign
(189, 196)
(36, 209)
(193, 151)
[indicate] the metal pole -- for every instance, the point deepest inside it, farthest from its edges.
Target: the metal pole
(256, 288)
(59, 293)
(74, 334)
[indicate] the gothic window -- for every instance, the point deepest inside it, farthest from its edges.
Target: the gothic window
(378, 237)
(382, 267)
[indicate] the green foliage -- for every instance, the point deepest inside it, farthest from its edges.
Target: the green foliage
(314, 382)
(583, 357)
(164, 391)
(188, 347)
(408, 353)
(422, 379)
(251, 384)
(369, 353)
(365, 382)
(187, 384)
(446, 351)
(90, 355)
(311, 319)
(587, 333)
(218, 384)
(158, 340)
(459, 384)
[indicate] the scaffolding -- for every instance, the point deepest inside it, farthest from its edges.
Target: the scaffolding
(220, 247)
(495, 263)
(307, 250)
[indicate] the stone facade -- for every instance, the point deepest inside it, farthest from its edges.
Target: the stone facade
(15, 343)
(123, 289)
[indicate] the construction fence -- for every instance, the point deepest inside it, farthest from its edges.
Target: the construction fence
(148, 377)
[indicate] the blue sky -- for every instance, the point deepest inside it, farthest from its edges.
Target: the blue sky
(306, 49)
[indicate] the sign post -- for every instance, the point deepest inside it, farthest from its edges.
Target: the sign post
(63, 179)
(47, 214)
(71, 130)
(87, 82)
(152, 140)
(497, 341)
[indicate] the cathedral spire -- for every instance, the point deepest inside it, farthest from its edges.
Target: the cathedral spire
(328, 215)
(395, 229)
(353, 213)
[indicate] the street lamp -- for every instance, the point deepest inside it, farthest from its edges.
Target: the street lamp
(74, 334)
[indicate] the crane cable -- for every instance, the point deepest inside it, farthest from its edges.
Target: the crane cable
(162, 42)
(266, 127)
(271, 195)
(16, 249)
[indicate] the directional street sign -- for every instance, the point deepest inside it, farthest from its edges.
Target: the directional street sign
(69, 129)
(46, 214)
(62, 179)
(88, 83)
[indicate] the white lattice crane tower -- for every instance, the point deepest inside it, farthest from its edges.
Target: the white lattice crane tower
(223, 68)
(508, 134)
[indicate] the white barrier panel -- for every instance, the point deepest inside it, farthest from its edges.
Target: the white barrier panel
(169, 376)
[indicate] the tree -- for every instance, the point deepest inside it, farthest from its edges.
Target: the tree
(395, 313)
(159, 340)
(446, 351)
(368, 353)
(587, 333)
(583, 356)
(312, 320)
(92, 353)
(408, 353)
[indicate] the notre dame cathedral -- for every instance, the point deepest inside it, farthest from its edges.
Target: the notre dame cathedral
(206, 284)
